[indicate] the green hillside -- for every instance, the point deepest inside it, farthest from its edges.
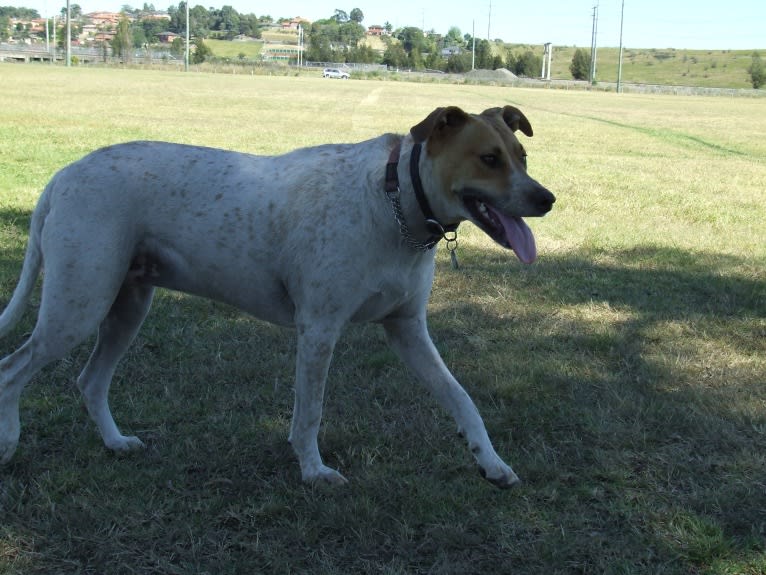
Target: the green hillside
(707, 68)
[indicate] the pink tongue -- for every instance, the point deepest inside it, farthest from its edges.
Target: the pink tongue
(520, 237)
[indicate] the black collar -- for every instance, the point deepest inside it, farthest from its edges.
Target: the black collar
(437, 230)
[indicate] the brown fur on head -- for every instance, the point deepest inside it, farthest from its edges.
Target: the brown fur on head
(474, 151)
(453, 117)
(477, 168)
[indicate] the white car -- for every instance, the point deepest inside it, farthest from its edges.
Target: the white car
(335, 73)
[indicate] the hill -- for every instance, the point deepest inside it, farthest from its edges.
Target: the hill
(706, 68)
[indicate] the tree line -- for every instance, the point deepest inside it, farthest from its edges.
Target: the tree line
(340, 38)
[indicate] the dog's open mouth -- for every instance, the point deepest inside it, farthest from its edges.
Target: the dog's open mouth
(508, 231)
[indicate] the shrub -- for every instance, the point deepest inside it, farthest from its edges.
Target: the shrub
(757, 71)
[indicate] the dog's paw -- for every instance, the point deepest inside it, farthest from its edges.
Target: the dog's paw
(501, 476)
(125, 443)
(326, 475)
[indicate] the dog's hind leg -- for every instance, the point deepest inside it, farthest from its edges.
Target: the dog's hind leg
(409, 338)
(115, 334)
(58, 330)
(76, 297)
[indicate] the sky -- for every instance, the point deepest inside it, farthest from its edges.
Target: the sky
(691, 24)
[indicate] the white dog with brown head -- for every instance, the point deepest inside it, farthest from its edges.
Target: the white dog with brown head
(314, 239)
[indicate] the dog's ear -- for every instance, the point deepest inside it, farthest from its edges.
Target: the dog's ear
(437, 122)
(515, 120)
(512, 117)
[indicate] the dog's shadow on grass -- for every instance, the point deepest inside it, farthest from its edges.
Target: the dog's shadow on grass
(632, 388)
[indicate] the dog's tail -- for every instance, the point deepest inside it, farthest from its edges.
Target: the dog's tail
(33, 261)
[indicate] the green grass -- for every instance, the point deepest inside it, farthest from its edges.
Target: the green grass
(623, 375)
(229, 50)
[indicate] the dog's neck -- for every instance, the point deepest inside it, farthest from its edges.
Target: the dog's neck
(430, 226)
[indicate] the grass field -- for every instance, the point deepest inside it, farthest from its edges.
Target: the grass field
(623, 375)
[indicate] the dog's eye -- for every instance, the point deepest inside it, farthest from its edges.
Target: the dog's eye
(490, 160)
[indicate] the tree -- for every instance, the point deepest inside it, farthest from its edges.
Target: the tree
(395, 56)
(356, 15)
(757, 71)
(333, 41)
(178, 46)
(458, 63)
(139, 37)
(580, 66)
(122, 43)
(411, 38)
(362, 54)
(350, 34)
(483, 54)
(21, 31)
(5, 24)
(528, 64)
(454, 37)
(201, 51)
(227, 21)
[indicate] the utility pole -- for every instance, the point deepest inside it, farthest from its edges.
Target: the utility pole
(489, 21)
(186, 56)
(619, 65)
(547, 59)
(473, 50)
(593, 44)
(300, 46)
(68, 35)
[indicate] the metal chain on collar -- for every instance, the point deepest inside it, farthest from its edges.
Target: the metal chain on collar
(396, 206)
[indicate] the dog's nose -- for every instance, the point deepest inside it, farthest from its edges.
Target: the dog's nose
(543, 200)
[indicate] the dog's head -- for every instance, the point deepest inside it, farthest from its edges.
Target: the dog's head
(474, 168)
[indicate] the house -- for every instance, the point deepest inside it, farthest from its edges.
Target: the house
(293, 23)
(155, 16)
(38, 26)
(105, 37)
(167, 37)
(376, 30)
(104, 18)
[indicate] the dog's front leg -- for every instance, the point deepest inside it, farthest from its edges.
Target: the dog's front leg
(409, 338)
(315, 347)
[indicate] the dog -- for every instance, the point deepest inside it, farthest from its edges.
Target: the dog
(313, 239)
